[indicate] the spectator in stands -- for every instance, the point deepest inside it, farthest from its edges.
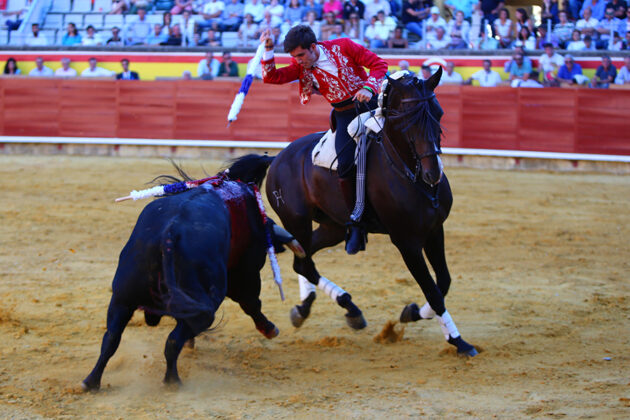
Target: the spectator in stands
(486, 77)
(328, 26)
(232, 16)
(521, 19)
(434, 21)
(211, 38)
(404, 66)
(175, 38)
(605, 74)
(211, 14)
(519, 69)
(256, 9)
(11, 67)
(626, 42)
(465, 6)
(139, 4)
(333, 6)
(91, 38)
(441, 40)
(576, 43)
(208, 67)
(617, 43)
(530, 82)
(372, 7)
(94, 71)
(351, 7)
(118, 7)
(476, 19)
(71, 37)
(588, 24)
(425, 71)
(487, 42)
(378, 32)
(157, 37)
(228, 67)
(267, 23)
(248, 32)
(277, 12)
(115, 40)
(563, 29)
(490, 9)
(36, 39)
(549, 62)
(65, 70)
(188, 24)
(597, 8)
(569, 70)
(606, 27)
(315, 25)
(167, 22)
(40, 69)
(450, 76)
(517, 50)
(458, 30)
(336, 34)
(589, 45)
(181, 5)
(504, 29)
(549, 12)
(624, 24)
(186, 75)
(139, 30)
(544, 38)
(126, 74)
(397, 40)
(413, 13)
(525, 39)
(293, 12)
(623, 77)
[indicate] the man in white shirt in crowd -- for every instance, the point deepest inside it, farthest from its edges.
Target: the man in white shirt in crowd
(208, 68)
(94, 71)
(90, 38)
(451, 77)
(623, 76)
(65, 70)
(35, 39)
(40, 69)
(374, 6)
(433, 22)
(256, 9)
(212, 12)
(549, 62)
(486, 77)
(138, 30)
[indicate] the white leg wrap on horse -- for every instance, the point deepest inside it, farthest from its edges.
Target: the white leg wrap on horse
(330, 288)
(426, 312)
(448, 325)
(306, 287)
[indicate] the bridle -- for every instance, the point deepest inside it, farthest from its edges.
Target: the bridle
(403, 121)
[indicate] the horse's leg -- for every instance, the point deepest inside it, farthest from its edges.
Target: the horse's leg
(175, 342)
(326, 235)
(118, 315)
(434, 250)
(412, 255)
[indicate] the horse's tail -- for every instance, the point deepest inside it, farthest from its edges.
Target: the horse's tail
(250, 168)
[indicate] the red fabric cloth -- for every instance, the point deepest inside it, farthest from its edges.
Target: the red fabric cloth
(350, 59)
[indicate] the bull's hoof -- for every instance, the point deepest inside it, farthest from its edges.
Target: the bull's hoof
(296, 317)
(356, 322)
(410, 313)
(87, 385)
(463, 348)
(272, 332)
(172, 381)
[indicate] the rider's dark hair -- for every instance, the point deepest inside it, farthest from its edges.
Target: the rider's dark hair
(299, 36)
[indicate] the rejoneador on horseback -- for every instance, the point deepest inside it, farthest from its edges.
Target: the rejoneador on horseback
(334, 69)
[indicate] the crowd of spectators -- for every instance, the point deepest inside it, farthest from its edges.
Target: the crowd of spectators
(580, 25)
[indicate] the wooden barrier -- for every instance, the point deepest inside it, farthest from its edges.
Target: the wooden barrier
(548, 120)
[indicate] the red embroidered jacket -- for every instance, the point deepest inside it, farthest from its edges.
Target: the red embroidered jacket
(350, 59)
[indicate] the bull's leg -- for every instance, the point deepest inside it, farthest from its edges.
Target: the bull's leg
(174, 343)
(326, 235)
(118, 315)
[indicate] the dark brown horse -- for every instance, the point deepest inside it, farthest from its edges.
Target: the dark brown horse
(409, 199)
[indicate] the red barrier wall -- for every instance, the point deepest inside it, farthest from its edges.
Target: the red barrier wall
(551, 120)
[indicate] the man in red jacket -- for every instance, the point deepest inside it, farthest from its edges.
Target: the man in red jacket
(334, 69)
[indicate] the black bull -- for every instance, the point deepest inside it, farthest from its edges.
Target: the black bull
(186, 253)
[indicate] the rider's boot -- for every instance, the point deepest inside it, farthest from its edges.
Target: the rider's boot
(355, 235)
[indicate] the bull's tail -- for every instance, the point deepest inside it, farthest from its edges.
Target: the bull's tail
(250, 168)
(177, 302)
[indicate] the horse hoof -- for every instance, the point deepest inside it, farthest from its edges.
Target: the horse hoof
(172, 381)
(87, 387)
(356, 322)
(410, 313)
(272, 332)
(463, 348)
(296, 318)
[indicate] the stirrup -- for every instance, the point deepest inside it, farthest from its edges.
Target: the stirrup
(356, 238)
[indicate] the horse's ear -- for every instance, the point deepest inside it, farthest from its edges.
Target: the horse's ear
(434, 80)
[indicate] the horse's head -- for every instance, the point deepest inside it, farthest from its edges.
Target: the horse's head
(413, 115)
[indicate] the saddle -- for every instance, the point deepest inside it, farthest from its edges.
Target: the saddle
(324, 153)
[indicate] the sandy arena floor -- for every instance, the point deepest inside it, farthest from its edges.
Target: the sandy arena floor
(540, 265)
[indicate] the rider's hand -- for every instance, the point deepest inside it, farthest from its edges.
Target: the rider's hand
(362, 95)
(265, 38)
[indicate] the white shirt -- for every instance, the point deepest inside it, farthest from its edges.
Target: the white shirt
(213, 7)
(202, 67)
(97, 72)
(256, 10)
(489, 79)
(90, 42)
(45, 72)
(60, 72)
(582, 23)
(38, 41)
(454, 79)
(623, 76)
(550, 63)
(372, 8)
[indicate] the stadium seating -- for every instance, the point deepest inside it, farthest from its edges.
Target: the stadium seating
(61, 6)
(95, 20)
(53, 21)
(77, 19)
(102, 6)
(81, 6)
